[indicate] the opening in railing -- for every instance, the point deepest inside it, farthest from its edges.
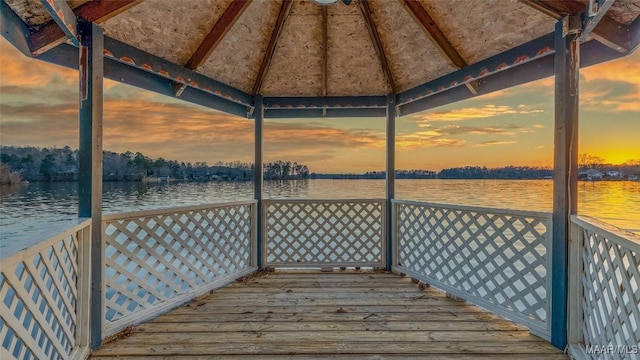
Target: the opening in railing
(315, 233)
(156, 260)
(494, 258)
(44, 297)
(604, 313)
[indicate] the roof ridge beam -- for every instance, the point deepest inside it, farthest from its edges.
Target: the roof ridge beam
(605, 30)
(50, 35)
(217, 33)
(283, 14)
(64, 16)
(422, 17)
(377, 43)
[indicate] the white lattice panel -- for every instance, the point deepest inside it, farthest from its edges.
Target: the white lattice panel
(611, 289)
(496, 259)
(324, 232)
(154, 257)
(38, 299)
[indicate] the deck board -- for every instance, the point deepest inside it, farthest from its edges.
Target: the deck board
(343, 315)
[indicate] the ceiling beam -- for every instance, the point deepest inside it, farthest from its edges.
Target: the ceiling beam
(519, 55)
(285, 9)
(50, 35)
(323, 113)
(422, 17)
(213, 39)
(142, 60)
(590, 22)
(14, 30)
(431, 29)
(613, 35)
(377, 44)
(217, 33)
(605, 30)
(634, 35)
(64, 17)
(591, 53)
(123, 72)
(329, 102)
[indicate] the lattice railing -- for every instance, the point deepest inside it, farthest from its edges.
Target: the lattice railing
(313, 233)
(42, 298)
(494, 258)
(157, 260)
(605, 289)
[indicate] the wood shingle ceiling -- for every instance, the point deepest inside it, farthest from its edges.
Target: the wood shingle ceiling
(299, 48)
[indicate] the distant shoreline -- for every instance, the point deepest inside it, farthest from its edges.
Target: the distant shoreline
(346, 177)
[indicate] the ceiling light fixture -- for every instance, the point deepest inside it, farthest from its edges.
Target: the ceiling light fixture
(325, 2)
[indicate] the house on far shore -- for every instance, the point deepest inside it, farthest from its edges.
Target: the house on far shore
(633, 177)
(614, 174)
(591, 174)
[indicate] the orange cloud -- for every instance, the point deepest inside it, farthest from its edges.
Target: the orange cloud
(496, 142)
(19, 70)
(470, 113)
(625, 69)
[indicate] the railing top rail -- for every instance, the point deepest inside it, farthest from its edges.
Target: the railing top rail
(619, 236)
(144, 213)
(327, 201)
(12, 256)
(540, 215)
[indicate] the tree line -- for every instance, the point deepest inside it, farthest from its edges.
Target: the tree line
(61, 164)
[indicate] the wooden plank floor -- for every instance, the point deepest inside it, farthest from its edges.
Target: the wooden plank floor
(341, 315)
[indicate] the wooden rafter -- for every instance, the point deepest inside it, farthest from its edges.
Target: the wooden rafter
(606, 30)
(438, 38)
(285, 9)
(377, 43)
(50, 35)
(213, 39)
(217, 33)
(64, 17)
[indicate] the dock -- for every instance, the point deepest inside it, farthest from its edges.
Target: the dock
(286, 314)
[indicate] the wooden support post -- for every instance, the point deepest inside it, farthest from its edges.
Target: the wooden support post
(565, 173)
(391, 176)
(90, 160)
(258, 179)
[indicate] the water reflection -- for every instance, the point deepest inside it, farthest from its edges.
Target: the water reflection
(26, 210)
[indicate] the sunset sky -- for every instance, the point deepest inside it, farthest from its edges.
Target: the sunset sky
(38, 107)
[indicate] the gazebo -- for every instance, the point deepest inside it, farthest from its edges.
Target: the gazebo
(570, 280)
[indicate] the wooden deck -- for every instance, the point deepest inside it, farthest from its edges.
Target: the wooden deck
(318, 315)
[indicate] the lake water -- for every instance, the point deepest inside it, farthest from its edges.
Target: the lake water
(27, 210)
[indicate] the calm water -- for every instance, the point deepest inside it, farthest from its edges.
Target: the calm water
(27, 210)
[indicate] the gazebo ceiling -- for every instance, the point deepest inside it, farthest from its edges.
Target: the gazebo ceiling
(285, 48)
